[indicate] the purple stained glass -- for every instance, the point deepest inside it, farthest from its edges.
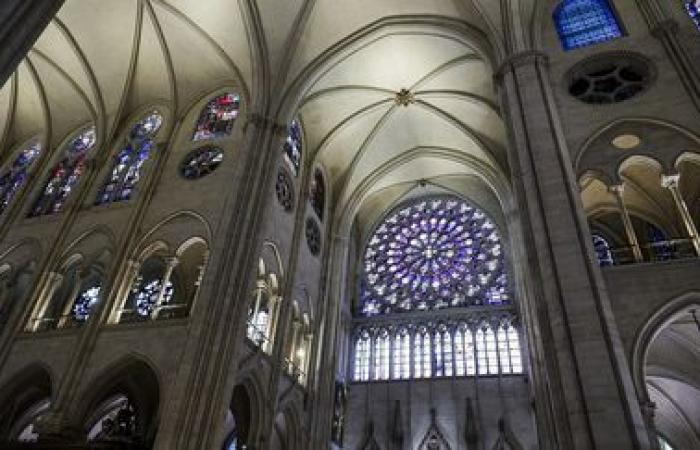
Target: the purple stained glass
(65, 174)
(433, 254)
(581, 23)
(693, 8)
(126, 168)
(13, 177)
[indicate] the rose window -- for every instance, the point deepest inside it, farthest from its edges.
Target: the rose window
(433, 254)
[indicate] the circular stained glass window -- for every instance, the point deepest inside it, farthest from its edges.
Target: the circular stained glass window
(433, 254)
(284, 190)
(610, 78)
(313, 236)
(201, 162)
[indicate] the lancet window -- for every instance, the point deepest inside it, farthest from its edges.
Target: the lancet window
(217, 118)
(300, 346)
(126, 167)
(264, 309)
(581, 23)
(293, 147)
(426, 256)
(65, 175)
(15, 174)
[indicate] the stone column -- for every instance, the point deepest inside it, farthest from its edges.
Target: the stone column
(64, 318)
(632, 240)
(584, 394)
(21, 23)
(53, 282)
(170, 264)
(132, 271)
(670, 182)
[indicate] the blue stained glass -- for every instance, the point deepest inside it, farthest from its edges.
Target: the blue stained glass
(146, 293)
(292, 147)
(602, 250)
(433, 254)
(14, 176)
(581, 23)
(693, 8)
(65, 174)
(126, 168)
(85, 302)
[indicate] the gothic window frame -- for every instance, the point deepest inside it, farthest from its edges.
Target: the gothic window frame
(573, 20)
(203, 133)
(201, 162)
(23, 164)
(132, 161)
(65, 173)
(263, 309)
(293, 147)
(401, 227)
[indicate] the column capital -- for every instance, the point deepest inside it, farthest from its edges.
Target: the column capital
(518, 60)
(670, 181)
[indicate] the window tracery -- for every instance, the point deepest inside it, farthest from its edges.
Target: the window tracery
(126, 168)
(293, 147)
(284, 190)
(217, 118)
(581, 23)
(313, 236)
(65, 174)
(430, 255)
(13, 177)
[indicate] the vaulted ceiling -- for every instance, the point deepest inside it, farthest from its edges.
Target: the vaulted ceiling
(103, 60)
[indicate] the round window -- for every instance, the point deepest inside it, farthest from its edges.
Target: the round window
(284, 190)
(201, 162)
(610, 78)
(313, 236)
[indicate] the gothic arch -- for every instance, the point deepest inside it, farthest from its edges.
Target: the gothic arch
(132, 376)
(177, 228)
(29, 386)
(651, 328)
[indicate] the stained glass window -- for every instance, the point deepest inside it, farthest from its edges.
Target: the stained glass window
(430, 255)
(362, 356)
(437, 350)
(201, 162)
(126, 168)
(693, 8)
(13, 177)
(381, 356)
(402, 351)
(661, 248)
(217, 117)
(65, 175)
(292, 147)
(146, 292)
(581, 23)
(318, 194)
(84, 303)
(602, 250)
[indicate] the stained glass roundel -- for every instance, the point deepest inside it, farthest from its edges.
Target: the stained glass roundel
(433, 254)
